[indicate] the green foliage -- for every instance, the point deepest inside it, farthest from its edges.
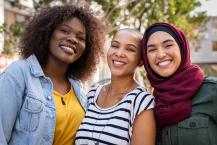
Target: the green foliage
(139, 14)
(209, 69)
(11, 36)
(136, 14)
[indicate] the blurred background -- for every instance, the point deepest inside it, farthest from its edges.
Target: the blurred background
(197, 18)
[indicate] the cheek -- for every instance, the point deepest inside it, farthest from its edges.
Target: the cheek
(137, 59)
(83, 48)
(110, 52)
(51, 44)
(83, 45)
(53, 39)
(55, 36)
(108, 56)
(178, 60)
(151, 58)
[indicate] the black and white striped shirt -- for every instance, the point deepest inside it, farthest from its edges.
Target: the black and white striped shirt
(112, 125)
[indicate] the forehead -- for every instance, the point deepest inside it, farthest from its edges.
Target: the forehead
(74, 22)
(127, 37)
(159, 37)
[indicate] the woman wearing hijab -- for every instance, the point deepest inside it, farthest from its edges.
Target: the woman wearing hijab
(186, 99)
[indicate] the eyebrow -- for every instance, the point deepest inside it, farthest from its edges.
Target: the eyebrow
(126, 44)
(165, 41)
(168, 40)
(82, 32)
(132, 45)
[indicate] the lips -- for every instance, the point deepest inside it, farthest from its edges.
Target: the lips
(68, 49)
(164, 63)
(118, 63)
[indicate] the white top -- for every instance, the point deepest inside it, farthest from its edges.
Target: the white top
(112, 125)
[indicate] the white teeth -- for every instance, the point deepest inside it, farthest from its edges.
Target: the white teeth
(118, 62)
(163, 63)
(68, 49)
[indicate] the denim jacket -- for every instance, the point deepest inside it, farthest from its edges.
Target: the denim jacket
(27, 110)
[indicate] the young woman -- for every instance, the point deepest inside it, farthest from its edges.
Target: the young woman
(41, 100)
(121, 112)
(186, 100)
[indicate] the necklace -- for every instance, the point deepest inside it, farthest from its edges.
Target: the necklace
(112, 97)
(108, 93)
(100, 110)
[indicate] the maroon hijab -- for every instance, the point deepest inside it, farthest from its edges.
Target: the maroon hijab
(174, 93)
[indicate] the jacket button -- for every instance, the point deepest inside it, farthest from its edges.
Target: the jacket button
(192, 124)
(49, 97)
(51, 116)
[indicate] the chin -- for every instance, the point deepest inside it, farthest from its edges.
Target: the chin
(117, 74)
(165, 74)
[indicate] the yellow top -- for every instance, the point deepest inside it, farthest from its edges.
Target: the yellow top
(69, 114)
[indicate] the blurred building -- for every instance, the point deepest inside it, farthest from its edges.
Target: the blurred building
(204, 52)
(12, 11)
(206, 49)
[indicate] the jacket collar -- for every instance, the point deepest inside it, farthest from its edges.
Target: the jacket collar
(35, 67)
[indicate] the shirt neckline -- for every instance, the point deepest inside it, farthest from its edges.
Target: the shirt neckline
(115, 105)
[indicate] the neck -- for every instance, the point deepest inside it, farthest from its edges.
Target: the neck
(119, 84)
(114, 92)
(58, 75)
(55, 70)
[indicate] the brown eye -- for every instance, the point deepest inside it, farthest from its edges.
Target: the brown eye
(81, 38)
(64, 31)
(131, 49)
(151, 49)
(114, 46)
(169, 45)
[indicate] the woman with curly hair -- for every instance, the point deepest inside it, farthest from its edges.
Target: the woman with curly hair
(41, 100)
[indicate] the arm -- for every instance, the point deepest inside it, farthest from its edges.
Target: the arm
(144, 128)
(10, 103)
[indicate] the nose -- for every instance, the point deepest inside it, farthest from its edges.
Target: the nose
(120, 52)
(72, 39)
(161, 53)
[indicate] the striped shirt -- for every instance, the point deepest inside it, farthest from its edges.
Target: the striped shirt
(112, 125)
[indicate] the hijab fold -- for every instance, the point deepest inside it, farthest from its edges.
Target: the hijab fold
(174, 93)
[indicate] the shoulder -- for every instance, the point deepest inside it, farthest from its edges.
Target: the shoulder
(207, 91)
(140, 92)
(14, 74)
(16, 67)
(140, 97)
(75, 82)
(209, 82)
(210, 79)
(92, 92)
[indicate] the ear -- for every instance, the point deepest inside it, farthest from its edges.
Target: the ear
(140, 63)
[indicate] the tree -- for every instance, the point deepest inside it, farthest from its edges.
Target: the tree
(141, 13)
(12, 34)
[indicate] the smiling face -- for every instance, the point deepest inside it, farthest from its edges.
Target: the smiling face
(67, 42)
(124, 54)
(163, 54)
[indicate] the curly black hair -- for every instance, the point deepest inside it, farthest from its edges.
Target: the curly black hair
(38, 31)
